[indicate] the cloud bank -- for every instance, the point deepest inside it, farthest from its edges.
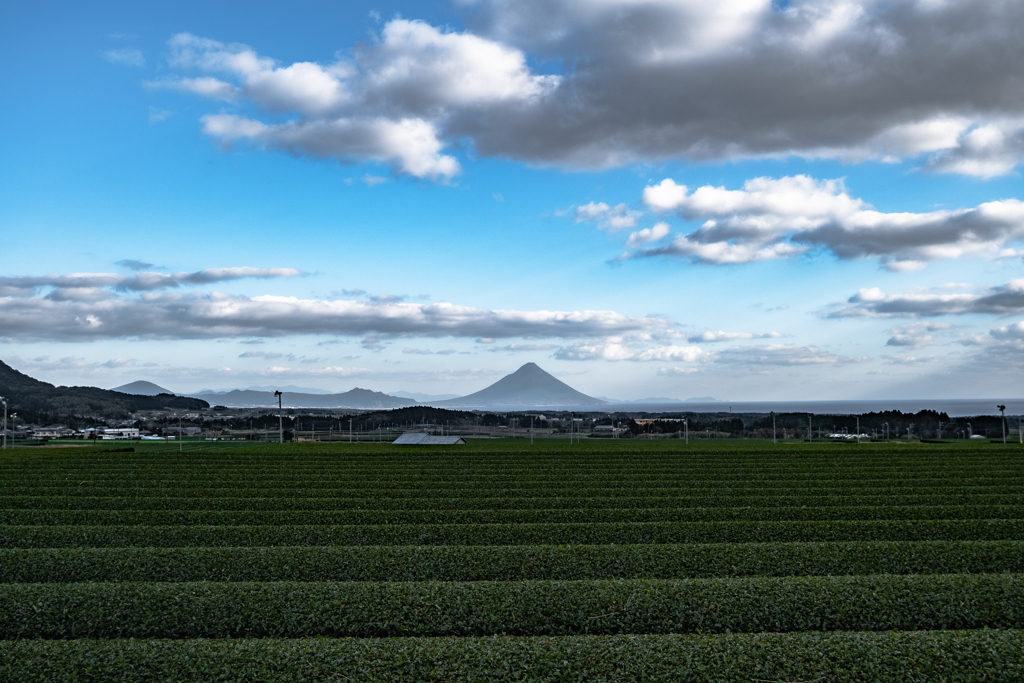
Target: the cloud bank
(1006, 299)
(639, 82)
(88, 306)
(779, 218)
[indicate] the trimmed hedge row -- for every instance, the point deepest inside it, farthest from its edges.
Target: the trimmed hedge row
(490, 490)
(351, 609)
(438, 503)
(507, 563)
(529, 515)
(508, 534)
(987, 656)
(341, 473)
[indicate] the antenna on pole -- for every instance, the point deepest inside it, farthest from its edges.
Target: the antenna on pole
(280, 419)
(1003, 421)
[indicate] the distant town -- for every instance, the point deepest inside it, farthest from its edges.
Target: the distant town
(529, 403)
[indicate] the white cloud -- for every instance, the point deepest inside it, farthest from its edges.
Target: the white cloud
(428, 352)
(387, 105)
(916, 336)
(781, 354)
(1006, 299)
(409, 146)
(117, 307)
(611, 218)
(128, 56)
(709, 337)
(1014, 331)
(779, 218)
(157, 115)
(652, 234)
(616, 351)
(651, 80)
(664, 79)
(676, 371)
(205, 86)
(524, 348)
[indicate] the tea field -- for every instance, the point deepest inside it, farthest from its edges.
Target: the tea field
(616, 560)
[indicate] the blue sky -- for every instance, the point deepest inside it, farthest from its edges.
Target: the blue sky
(747, 200)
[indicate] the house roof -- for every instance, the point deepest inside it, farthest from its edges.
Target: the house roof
(424, 439)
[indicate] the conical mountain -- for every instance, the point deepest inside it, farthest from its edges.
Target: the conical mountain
(527, 387)
(142, 388)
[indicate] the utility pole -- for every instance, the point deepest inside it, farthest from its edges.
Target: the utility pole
(858, 429)
(4, 422)
(280, 418)
(179, 434)
(1003, 421)
(810, 429)
(774, 440)
(686, 427)
(531, 430)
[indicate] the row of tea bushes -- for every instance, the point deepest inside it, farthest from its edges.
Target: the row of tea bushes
(434, 608)
(508, 563)
(113, 536)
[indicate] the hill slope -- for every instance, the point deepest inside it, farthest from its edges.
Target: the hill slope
(29, 395)
(527, 387)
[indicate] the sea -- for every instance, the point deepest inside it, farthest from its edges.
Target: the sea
(958, 407)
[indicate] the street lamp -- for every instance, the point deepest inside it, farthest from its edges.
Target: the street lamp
(280, 419)
(1003, 421)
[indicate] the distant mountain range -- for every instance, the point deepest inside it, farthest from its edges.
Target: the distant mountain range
(27, 394)
(527, 387)
(356, 399)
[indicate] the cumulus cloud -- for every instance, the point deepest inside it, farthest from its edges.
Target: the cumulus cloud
(709, 337)
(135, 308)
(389, 104)
(1014, 331)
(915, 336)
(652, 234)
(845, 79)
(778, 218)
(610, 218)
(644, 82)
(872, 302)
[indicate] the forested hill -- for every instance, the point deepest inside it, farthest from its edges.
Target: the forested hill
(26, 394)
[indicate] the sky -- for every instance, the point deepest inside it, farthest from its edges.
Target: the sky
(746, 199)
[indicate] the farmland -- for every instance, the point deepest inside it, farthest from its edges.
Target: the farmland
(720, 560)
